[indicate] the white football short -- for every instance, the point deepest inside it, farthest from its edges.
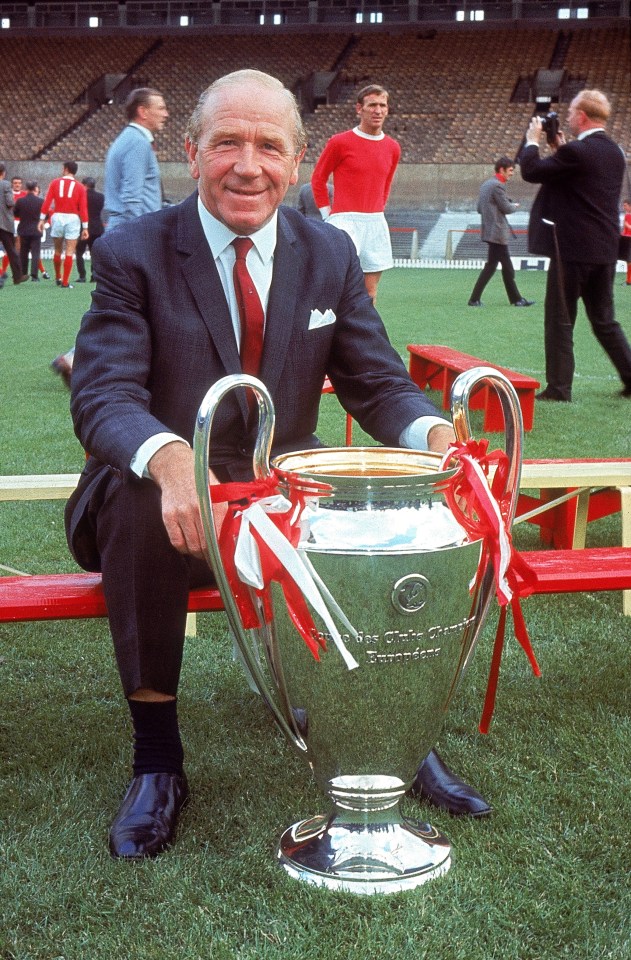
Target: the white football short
(369, 232)
(66, 225)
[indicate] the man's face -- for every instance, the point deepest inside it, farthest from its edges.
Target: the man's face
(507, 172)
(372, 112)
(154, 115)
(16, 184)
(246, 156)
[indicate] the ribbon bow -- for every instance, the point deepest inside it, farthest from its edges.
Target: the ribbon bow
(483, 511)
(258, 543)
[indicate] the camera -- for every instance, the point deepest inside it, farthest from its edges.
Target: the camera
(550, 126)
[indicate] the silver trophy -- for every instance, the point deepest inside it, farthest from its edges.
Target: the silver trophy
(400, 601)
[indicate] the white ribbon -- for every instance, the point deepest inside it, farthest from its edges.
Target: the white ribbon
(248, 563)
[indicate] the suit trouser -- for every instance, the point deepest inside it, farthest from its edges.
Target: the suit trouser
(82, 246)
(566, 284)
(145, 580)
(498, 253)
(6, 239)
(32, 245)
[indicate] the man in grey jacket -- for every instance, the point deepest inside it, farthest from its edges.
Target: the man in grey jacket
(132, 175)
(6, 228)
(493, 205)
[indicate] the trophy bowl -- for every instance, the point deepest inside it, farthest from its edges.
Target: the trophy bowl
(403, 601)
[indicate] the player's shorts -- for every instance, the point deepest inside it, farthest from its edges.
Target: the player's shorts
(66, 225)
(369, 232)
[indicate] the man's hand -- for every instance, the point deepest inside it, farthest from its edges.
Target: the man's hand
(534, 131)
(173, 469)
(440, 438)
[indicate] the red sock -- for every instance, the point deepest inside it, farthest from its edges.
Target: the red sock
(40, 267)
(5, 263)
(57, 265)
(67, 269)
(629, 273)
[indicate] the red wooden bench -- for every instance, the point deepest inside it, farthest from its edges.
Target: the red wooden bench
(67, 596)
(80, 595)
(581, 571)
(437, 367)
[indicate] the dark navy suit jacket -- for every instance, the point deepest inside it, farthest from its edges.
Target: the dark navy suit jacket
(159, 334)
(580, 193)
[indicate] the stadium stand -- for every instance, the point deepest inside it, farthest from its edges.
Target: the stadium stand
(458, 96)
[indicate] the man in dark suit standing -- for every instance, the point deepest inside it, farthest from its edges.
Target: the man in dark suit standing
(95, 224)
(574, 221)
(149, 349)
(26, 211)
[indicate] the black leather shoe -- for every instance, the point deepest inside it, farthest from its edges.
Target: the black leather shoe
(146, 822)
(474, 303)
(548, 395)
(522, 302)
(436, 783)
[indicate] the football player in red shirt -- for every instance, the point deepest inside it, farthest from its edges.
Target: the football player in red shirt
(67, 198)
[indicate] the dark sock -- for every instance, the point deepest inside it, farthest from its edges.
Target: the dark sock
(157, 744)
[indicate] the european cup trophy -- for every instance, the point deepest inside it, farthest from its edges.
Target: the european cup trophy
(358, 553)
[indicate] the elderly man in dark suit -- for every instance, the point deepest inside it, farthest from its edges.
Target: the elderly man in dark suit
(149, 349)
(575, 221)
(493, 205)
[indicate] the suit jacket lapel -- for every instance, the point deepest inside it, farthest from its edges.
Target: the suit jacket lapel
(201, 275)
(281, 305)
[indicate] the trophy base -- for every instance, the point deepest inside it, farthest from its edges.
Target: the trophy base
(365, 858)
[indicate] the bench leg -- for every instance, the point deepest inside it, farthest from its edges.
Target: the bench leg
(191, 625)
(580, 520)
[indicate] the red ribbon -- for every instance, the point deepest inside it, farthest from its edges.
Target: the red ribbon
(238, 497)
(487, 518)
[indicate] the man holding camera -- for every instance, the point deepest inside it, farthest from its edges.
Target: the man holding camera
(574, 221)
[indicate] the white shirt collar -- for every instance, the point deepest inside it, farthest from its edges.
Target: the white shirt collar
(368, 136)
(147, 133)
(219, 236)
(587, 133)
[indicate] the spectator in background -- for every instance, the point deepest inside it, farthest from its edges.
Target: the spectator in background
(27, 210)
(132, 175)
(307, 205)
(16, 187)
(575, 220)
(95, 225)
(66, 205)
(362, 162)
(7, 227)
(493, 205)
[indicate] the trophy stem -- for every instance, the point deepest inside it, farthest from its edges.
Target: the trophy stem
(364, 853)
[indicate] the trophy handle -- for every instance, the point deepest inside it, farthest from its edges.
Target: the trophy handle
(261, 466)
(461, 391)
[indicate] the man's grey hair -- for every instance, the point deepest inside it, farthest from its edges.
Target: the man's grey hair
(195, 125)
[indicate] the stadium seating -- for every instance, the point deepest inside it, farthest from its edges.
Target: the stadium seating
(451, 90)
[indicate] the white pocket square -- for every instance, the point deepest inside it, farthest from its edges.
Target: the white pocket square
(318, 319)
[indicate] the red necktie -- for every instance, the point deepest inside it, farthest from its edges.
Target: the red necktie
(250, 310)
